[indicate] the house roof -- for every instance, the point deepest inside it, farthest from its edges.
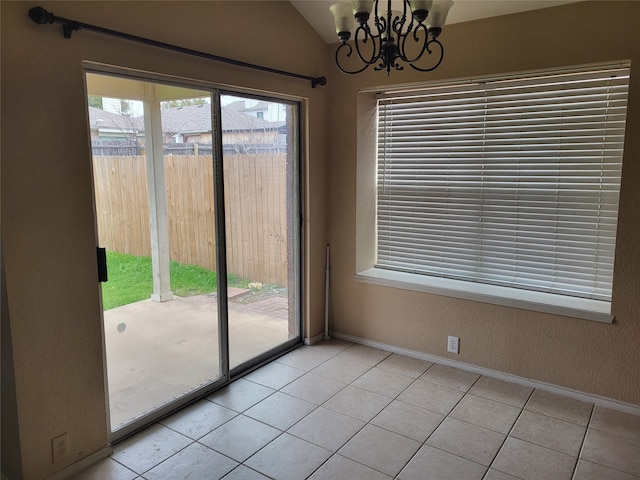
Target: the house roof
(103, 120)
(187, 119)
(240, 105)
(197, 118)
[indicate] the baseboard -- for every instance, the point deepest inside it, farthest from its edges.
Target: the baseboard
(313, 340)
(86, 462)
(567, 392)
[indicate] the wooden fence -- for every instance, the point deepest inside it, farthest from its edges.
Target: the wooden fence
(255, 210)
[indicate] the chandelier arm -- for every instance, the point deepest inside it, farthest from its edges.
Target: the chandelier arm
(433, 40)
(416, 39)
(348, 54)
(399, 22)
(374, 41)
(381, 25)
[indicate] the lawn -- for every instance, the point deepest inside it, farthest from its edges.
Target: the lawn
(130, 280)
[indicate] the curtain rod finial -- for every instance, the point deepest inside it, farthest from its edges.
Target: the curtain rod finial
(40, 15)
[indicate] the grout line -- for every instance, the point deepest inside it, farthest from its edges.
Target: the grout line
(584, 438)
(509, 434)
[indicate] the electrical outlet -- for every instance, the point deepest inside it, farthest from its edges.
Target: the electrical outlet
(453, 344)
(60, 447)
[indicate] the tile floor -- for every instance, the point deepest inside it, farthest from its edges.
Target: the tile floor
(342, 411)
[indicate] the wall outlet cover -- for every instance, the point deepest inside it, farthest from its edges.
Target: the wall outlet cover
(453, 344)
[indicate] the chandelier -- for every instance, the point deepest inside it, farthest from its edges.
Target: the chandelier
(408, 34)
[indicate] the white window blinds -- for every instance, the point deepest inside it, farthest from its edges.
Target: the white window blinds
(510, 182)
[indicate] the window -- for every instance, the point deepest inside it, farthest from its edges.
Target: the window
(504, 188)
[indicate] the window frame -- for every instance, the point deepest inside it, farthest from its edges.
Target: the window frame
(366, 233)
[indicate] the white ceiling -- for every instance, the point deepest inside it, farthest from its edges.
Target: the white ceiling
(319, 17)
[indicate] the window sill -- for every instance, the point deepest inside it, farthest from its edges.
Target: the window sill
(586, 309)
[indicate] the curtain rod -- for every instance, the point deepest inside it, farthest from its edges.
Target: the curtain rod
(41, 16)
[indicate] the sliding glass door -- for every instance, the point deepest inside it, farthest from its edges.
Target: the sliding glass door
(260, 157)
(196, 196)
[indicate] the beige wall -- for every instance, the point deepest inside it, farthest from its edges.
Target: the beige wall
(588, 356)
(49, 237)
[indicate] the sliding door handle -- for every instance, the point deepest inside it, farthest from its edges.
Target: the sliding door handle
(102, 264)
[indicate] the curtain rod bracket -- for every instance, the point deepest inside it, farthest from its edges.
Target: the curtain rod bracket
(68, 28)
(41, 16)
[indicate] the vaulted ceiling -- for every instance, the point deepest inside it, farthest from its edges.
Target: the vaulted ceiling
(319, 17)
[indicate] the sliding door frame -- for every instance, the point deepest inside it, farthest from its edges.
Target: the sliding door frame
(226, 375)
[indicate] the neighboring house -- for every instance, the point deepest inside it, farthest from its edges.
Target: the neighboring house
(272, 112)
(107, 126)
(192, 124)
(188, 124)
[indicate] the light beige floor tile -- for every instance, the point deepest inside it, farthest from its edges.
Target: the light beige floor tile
(288, 458)
(409, 366)
(549, 432)
(240, 395)
(380, 449)
(304, 358)
(616, 422)
(433, 397)
(533, 462)
(330, 347)
(340, 369)
(408, 420)
(245, 473)
(148, 448)
(501, 391)
(357, 403)
(496, 475)
(341, 468)
(612, 451)
(199, 419)
(486, 413)
(450, 377)
(326, 428)
(313, 388)
(469, 441)
(195, 461)
(559, 406)
(364, 354)
(275, 375)
(383, 382)
(106, 468)
(441, 465)
(592, 471)
(240, 437)
(280, 410)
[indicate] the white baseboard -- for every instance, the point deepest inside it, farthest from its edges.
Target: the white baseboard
(86, 462)
(313, 340)
(567, 392)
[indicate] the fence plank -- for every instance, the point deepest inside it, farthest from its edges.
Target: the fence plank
(256, 206)
(122, 204)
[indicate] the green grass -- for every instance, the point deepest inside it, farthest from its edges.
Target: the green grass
(130, 280)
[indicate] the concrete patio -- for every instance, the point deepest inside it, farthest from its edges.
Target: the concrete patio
(158, 352)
